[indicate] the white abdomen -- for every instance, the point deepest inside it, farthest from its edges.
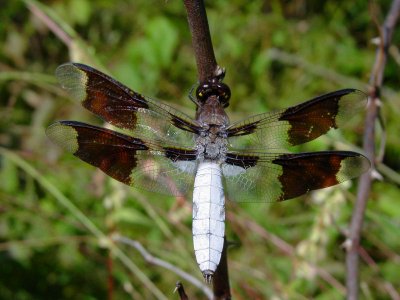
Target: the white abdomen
(208, 217)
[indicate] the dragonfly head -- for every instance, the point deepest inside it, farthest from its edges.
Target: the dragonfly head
(213, 87)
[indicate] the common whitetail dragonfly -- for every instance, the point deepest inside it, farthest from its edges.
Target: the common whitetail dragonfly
(166, 151)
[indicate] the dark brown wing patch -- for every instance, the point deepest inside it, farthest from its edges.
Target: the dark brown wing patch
(101, 94)
(313, 118)
(275, 177)
(112, 152)
(304, 172)
(116, 103)
(298, 124)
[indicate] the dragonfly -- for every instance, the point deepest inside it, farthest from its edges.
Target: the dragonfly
(158, 148)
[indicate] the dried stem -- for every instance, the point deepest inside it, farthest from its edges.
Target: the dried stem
(49, 22)
(376, 79)
(221, 287)
(201, 40)
(181, 291)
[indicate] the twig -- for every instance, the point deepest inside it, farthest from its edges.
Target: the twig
(181, 291)
(353, 241)
(159, 262)
(201, 40)
(78, 49)
(50, 23)
(221, 286)
(207, 67)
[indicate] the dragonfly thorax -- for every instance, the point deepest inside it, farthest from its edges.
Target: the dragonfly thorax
(212, 144)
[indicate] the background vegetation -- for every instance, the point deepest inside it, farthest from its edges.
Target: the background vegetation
(277, 53)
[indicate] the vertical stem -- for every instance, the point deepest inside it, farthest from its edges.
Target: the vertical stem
(221, 288)
(376, 79)
(201, 39)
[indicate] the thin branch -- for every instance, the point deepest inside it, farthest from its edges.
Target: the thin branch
(181, 291)
(78, 49)
(376, 79)
(159, 262)
(388, 173)
(50, 23)
(201, 40)
(221, 286)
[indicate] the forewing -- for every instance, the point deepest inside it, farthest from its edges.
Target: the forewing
(124, 108)
(297, 124)
(258, 177)
(163, 169)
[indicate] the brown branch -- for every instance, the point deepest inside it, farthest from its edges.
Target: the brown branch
(181, 291)
(201, 40)
(221, 287)
(353, 241)
(207, 68)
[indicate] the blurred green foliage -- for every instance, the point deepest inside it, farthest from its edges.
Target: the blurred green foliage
(277, 53)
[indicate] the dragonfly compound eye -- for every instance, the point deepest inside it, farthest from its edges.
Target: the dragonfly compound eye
(213, 88)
